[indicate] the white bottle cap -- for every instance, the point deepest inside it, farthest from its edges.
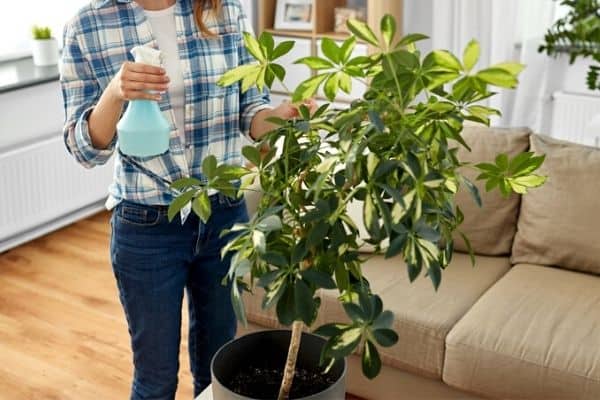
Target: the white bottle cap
(147, 55)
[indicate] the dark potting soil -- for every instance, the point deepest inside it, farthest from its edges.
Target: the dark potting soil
(263, 383)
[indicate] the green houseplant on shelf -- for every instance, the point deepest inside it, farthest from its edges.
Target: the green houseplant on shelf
(394, 150)
(44, 46)
(577, 34)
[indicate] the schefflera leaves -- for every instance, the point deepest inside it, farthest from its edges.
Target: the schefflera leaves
(394, 150)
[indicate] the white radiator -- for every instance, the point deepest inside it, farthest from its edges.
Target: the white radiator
(42, 188)
(571, 117)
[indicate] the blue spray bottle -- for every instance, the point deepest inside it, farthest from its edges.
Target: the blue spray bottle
(143, 131)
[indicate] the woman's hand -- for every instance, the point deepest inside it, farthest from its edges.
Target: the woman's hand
(135, 80)
(285, 110)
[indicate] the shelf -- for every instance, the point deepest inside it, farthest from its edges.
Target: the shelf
(288, 33)
(334, 35)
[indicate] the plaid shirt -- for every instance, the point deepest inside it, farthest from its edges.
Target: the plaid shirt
(96, 43)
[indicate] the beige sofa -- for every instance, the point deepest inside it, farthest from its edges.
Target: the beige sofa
(524, 323)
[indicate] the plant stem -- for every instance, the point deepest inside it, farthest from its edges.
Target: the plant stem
(290, 364)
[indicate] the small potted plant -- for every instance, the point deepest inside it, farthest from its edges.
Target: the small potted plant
(394, 150)
(577, 35)
(44, 47)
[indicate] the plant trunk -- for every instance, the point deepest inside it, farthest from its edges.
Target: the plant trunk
(290, 364)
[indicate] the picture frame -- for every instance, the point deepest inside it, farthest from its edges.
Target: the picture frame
(294, 15)
(343, 14)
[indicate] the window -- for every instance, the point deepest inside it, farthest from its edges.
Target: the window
(17, 20)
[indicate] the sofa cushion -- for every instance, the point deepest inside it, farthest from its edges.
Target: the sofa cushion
(560, 221)
(534, 335)
(422, 316)
(491, 228)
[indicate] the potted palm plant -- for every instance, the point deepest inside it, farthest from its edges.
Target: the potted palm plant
(394, 150)
(44, 47)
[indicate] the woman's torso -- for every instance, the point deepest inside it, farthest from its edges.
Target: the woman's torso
(110, 29)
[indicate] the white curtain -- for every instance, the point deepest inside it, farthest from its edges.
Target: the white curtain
(507, 30)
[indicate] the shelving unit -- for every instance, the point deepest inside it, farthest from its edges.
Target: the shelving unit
(308, 42)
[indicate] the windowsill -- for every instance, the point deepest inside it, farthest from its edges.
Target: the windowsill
(20, 73)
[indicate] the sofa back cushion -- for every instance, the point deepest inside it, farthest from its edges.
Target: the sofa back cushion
(559, 223)
(490, 228)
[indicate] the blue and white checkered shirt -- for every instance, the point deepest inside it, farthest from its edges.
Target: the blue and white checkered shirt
(96, 43)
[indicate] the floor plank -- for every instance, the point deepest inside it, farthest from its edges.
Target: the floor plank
(63, 335)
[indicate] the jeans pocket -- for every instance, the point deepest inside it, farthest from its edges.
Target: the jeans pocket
(138, 214)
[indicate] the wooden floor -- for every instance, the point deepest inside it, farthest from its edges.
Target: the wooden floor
(62, 331)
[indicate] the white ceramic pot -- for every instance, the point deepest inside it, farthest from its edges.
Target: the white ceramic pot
(45, 52)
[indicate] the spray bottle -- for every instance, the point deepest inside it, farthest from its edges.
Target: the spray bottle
(143, 131)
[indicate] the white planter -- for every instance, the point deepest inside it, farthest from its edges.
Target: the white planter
(572, 76)
(45, 52)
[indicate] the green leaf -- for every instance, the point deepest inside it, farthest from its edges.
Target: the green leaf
(238, 304)
(318, 278)
(252, 154)
(308, 88)
(305, 306)
(342, 277)
(259, 241)
(316, 63)
(435, 274)
(317, 234)
(201, 206)
(371, 363)
(343, 344)
(209, 166)
(502, 161)
(469, 247)
(411, 38)
(384, 320)
(471, 55)
(530, 181)
(286, 309)
(498, 77)
(253, 47)
(513, 68)
(362, 31)
(332, 86)
(345, 82)
(270, 224)
(267, 43)
(275, 258)
(385, 337)
(473, 190)
(274, 291)
(179, 202)
(388, 29)
(331, 50)
(237, 74)
(331, 329)
(347, 49)
(414, 270)
(185, 183)
(251, 79)
(355, 313)
(443, 59)
(282, 49)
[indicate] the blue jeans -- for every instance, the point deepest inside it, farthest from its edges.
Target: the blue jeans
(153, 262)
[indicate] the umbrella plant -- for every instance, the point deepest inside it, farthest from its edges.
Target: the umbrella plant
(394, 150)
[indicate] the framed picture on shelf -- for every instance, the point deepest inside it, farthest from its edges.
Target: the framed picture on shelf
(343, 14)
(294, 15)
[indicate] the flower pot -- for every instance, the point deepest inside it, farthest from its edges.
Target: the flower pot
(260, 354)
(45, 52)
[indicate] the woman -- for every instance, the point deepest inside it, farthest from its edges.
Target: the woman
(154, 260)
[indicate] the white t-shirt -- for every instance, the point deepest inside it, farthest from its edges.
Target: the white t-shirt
(163, 27)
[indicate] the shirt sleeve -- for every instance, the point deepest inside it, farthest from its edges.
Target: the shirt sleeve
(81, 92)
(252, 101)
